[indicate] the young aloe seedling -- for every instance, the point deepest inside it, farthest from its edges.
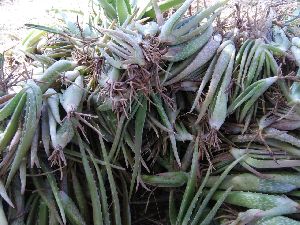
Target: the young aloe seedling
(175, 31)
(125, 49)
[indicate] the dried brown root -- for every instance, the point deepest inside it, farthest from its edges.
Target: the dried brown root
(212, 139)
(57, 158)
(139, 79)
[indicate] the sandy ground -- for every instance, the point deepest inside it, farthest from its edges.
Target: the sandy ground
(15, 13)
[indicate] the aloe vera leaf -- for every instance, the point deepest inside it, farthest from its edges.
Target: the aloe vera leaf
(267, 67)
(122, 11)
(115, 63)
(108, 9)
(294, 90)
(213, 189)
(117, 50)
(64, 134)
(46, 197)
(79, 195)
(204, 55)
(255, 214)
(158, 124)
(126, 218)
(37, 92)
(253, 68)
(249, 104)
(53, 73)
(252, 92)
(115, 198)
(191, 185)
(96, 205)
(219, 111)
(52, 219)
(43, 59)
(167, 123)
(199, 30)
(257, 163)
(19, 200)
(205, 80)
(261, 63)
(10, 107)
(32, 211)
(73, 95)
(31, 41)
(214, 210)
(117, 137)
(273, 64)
(52, 128)
(221, 65)
(98, 161)
(175, 69)
(33, 106)
(104, 202)
(187, 158)
(45, 128)
(248, 117)
(188, 215)
(128, 39)
(181, 133)
(241, 61)
(53, 103)
(283, 136)
(283, 145)
(276, 183)
(295, 193)
(282, 84)
(70, 209)
(139, 127)
(240, 54)
(163, 6)
(12, 126)
(3, 219)
(281, 41)
(22, 175)
(4, 194)
(277, 220)
(42, 213)
(199, 17)
(6, 161)
(167, 28)
(261, 201)
(55, 191)
(123, 41)
(172, 208)
(256, 45)
(168, 179)
(180, 52)
(158, 14)
(34, 149)
(28, 35)
(43, 28)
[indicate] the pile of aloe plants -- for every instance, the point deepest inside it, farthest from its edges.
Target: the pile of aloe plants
(150, 115)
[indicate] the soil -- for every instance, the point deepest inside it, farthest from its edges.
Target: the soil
(15, 13)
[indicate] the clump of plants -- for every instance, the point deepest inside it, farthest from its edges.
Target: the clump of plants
(122, 102)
